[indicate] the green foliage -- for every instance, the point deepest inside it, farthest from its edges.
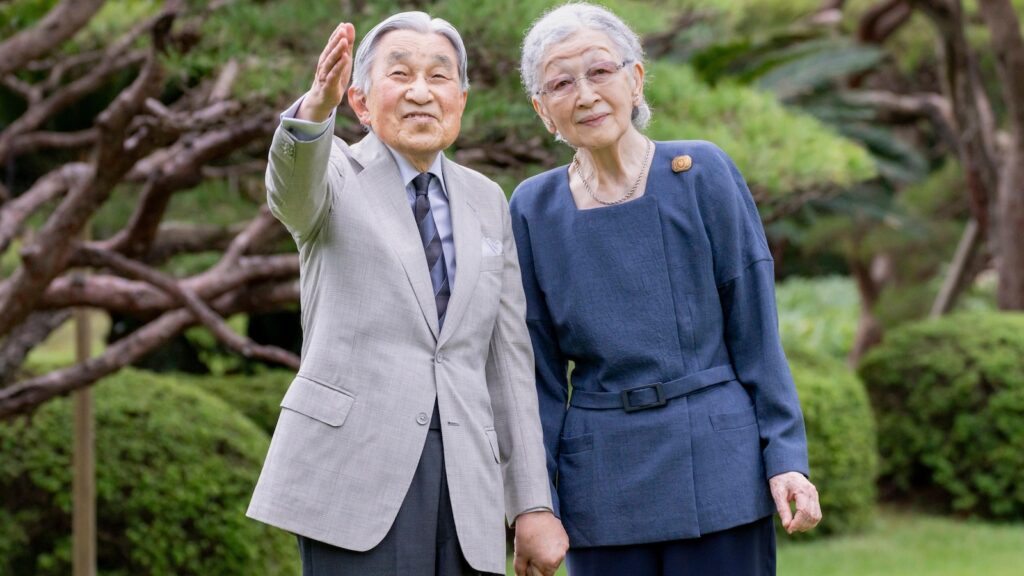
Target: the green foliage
(906, 544)
(818, 314)
(949, 395)
(258, 396)
(15, 16)
(218, 358)
(778, 150)
(840, 439)
(175, 468)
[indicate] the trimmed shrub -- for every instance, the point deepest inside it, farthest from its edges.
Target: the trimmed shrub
(949, 395)
(841, 440)
(174, 471)
(818, 314)
(258, 396)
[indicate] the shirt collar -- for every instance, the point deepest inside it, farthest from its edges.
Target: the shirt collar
(407, 171)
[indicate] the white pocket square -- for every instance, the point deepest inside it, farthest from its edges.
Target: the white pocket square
(490, 247)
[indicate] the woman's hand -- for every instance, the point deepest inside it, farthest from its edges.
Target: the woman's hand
(332, 74)
(794, 487)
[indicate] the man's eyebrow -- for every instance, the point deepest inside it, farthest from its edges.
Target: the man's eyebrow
(397, 57)
(443, 60)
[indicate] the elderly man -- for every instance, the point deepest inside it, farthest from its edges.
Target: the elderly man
(414, 414)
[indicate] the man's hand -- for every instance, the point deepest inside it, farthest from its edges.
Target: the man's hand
(793, 486)
(541, 543)
(332, 74)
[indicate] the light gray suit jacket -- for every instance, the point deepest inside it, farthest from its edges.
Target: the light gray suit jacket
(354, 420)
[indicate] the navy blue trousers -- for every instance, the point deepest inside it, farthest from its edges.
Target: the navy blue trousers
(747, 550)
(421, 542)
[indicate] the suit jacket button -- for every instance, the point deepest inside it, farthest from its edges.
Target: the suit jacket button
(422, 419)
(439, 358)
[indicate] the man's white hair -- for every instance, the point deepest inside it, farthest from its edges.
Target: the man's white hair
(415, 21)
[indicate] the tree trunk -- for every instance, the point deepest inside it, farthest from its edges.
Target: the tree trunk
(1004, 24)
(870, 279)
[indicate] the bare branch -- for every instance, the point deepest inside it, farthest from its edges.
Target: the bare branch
(99, 258)
(61, 23)
(935, 107)
(661, 43)
(24, 396)
(177, 168)
(14, 213)
(48, 254)
(37, 114)
(30, 93)
(35, 141)
(24, 338)
(260, 227)
(140, 299)
(882, 20)
(222, 87)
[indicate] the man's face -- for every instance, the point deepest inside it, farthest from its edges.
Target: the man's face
(415, 101)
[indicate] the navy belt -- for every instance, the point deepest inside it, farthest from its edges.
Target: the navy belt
(652, 395)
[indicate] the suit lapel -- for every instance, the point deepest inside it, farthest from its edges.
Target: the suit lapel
(382, 183)
(466, 230)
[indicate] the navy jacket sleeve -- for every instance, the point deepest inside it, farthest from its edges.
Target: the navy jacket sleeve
(744, 274)
(551, 367)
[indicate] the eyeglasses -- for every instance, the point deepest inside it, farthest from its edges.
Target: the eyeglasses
(597, 75)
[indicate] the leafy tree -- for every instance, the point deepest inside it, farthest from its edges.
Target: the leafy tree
(148, 122)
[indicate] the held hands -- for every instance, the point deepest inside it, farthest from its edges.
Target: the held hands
(332, 74)
(793, 486)
(541, 543)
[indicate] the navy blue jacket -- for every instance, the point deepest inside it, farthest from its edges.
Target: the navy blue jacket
(671, 298)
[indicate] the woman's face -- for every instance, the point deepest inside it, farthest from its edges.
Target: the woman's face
(587, 92)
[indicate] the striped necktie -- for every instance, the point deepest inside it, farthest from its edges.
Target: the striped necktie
(431, 245)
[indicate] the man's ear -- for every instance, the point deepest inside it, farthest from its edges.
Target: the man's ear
(539, 109)
(357, 102)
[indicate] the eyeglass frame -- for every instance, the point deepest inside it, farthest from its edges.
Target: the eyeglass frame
(579, 77)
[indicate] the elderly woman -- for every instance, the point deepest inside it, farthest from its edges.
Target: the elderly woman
(645, 264)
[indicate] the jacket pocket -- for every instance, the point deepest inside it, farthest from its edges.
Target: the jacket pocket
(576, 444)
(492, 439)
(732, 420)
(317, 401)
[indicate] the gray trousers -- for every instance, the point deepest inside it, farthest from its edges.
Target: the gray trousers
(421, 542)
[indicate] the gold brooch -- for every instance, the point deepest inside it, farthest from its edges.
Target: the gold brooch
(682, 163)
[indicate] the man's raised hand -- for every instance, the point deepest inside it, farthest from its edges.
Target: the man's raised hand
(332, 74)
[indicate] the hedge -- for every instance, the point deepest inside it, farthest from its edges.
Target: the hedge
(949, 395)
(258, 396)
(175, 469)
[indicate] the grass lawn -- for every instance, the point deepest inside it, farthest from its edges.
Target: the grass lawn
(906, 544)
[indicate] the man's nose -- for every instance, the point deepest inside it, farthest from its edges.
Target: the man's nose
(419, 91)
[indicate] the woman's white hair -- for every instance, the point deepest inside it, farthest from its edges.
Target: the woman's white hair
(559, 23)
(415, 21)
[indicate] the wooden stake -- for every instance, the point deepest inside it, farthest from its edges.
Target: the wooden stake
(83, 484)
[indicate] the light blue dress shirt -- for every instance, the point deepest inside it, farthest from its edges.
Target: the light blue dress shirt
(436, 193)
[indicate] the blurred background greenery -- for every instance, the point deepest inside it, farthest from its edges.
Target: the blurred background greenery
(916, 425)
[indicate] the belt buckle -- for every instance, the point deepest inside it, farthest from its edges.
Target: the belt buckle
(630, 407)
